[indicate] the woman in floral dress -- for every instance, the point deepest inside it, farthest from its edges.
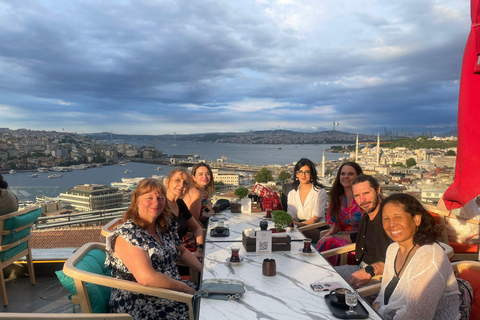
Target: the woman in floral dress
(145, 249)
(343, 212)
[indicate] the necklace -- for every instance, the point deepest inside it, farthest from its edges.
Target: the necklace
(393, 283)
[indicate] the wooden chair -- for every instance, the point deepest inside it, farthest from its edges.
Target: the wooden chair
(463, 251)
(470, 271)
(14, 241)
(81, 277)
(314, 231)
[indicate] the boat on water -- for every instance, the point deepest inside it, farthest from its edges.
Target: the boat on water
(159, 168)
(12, 171)
(128, 171)
(54, 175)
(122, 163)
(33, 175)
(42, 169)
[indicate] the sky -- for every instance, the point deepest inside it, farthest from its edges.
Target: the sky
(189, 66)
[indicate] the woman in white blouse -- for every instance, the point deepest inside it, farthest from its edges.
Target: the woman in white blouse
(308, 199)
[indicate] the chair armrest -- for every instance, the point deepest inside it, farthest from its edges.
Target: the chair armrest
(337, 251)
(315, 225)
(108, 228)
(18, 213)
(459, 266)
(370, 289)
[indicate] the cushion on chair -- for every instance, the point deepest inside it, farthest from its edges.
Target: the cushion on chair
(22, 220)
(7, 254)
(473, 277)
(93, 261)
(464, 247)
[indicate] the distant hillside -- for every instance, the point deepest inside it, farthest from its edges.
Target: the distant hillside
(251, 137)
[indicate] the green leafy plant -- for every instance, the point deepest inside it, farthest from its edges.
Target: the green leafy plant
(281, 219)
(241, 193)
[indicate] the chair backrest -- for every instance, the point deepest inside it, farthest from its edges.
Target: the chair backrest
(110, 227)
(15, 231)
(470, 271)
(83, 278)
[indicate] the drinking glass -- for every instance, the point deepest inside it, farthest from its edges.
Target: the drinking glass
(351, 300)
(235, 257)
(307, 245)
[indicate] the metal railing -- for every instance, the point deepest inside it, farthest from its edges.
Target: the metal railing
(81, 218)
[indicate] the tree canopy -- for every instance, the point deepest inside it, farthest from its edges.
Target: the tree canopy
(284, 175)
(411, 162)
(264, 175)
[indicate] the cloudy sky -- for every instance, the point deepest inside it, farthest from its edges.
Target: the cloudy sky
(191, 66)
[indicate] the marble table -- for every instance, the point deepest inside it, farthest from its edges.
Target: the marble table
(237, 222)
(287, 295)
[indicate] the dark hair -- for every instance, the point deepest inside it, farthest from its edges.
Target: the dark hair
(426, 232)
(313, 173)
(210, 188)
(371, 181)
(3, 184)
(337, 190)
(146, 186)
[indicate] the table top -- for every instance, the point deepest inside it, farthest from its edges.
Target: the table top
(237, 222)
(287, 295)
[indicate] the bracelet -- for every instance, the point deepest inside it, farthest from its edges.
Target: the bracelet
(199, 246)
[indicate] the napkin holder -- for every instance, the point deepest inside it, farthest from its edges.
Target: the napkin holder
(279, 243)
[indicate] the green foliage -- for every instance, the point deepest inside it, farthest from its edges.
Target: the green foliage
(411, 162)
(11, 158)
(219, 183)
(398, 164)
(264, 175)
(241, 193)
(281, 219)
(284, 175)
(422, 142)
(450, 153)
(12, 165)
(99, 159)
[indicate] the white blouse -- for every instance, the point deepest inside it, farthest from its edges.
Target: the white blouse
(314, 205)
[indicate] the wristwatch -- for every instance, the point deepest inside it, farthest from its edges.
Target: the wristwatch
(370, 270)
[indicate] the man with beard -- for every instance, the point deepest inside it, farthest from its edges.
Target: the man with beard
(371, 240)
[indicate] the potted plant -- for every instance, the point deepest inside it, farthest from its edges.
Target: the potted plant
(240, 193)
(281, 219)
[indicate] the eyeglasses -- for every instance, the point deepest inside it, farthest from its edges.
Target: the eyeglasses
(303, 173)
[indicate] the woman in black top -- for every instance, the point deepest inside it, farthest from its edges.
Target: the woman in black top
(177, 183)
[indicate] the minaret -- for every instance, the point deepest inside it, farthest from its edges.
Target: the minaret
(356, 150)
(323, 164)
(378, 149)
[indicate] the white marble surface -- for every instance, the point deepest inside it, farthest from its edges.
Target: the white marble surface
(237, 222)
(287, 295)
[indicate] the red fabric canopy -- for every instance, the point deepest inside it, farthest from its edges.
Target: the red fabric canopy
(467, 172)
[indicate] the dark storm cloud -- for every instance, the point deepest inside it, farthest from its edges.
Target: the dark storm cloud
(105, 65)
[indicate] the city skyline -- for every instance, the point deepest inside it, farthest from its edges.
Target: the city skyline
(158, 67)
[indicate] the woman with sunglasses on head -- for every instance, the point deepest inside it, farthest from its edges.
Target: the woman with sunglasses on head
(418, 280)
(308, 199)
(178, 183)
(198, 198)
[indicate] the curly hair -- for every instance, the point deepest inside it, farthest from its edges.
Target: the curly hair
(337, 191)
(146, 186)
(426, 232)
(313, 173)
(210, 188)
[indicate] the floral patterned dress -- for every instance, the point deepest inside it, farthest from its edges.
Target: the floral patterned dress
(350, 216)
(164, 257)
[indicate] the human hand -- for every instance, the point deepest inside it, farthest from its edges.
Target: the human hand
(359, 278)
(325, 238)
(198, 254)
(376, 306)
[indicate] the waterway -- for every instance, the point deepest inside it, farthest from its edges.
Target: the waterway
(28, 188)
